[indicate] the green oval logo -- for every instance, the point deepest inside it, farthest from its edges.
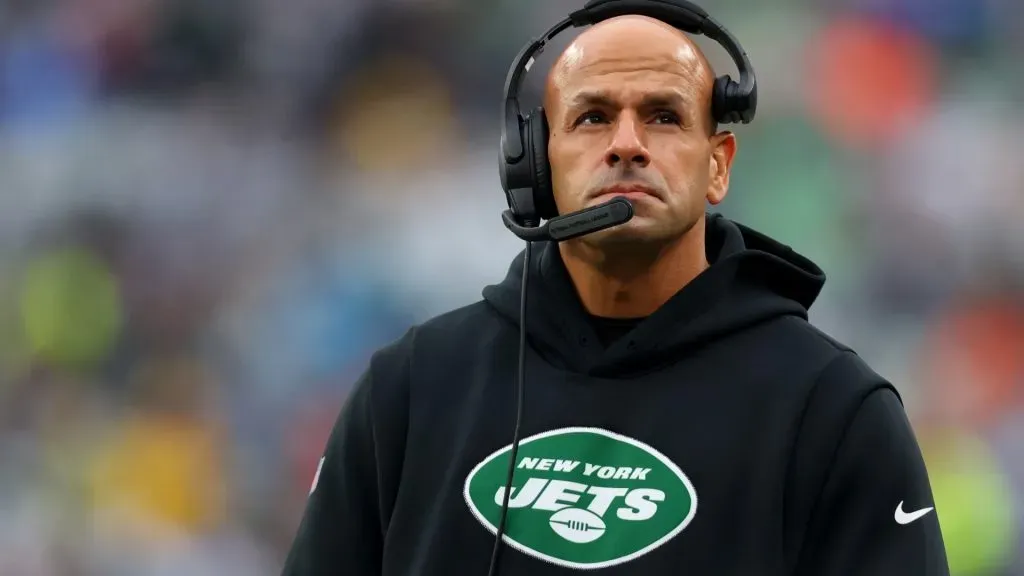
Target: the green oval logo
(583, 497)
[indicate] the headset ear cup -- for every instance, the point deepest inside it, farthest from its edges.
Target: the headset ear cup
(721, 99)
(543, 196)
(730, 105)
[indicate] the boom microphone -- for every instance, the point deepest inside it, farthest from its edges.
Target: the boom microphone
(575, 224)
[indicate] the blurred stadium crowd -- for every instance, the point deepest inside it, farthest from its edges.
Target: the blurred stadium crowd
(212, 212)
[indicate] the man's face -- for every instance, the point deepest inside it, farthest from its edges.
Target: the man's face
(631, 118)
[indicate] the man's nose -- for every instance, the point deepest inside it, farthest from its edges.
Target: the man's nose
(627, 144)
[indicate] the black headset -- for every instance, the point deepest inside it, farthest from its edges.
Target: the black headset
(523, 164)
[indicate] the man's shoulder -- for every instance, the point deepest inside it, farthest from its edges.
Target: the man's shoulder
(840, 370)
(845, 364)
(802, 334)
(454, 330)
(844, 382)
(461, 322)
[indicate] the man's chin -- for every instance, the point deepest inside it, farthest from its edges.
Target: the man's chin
(638, 231)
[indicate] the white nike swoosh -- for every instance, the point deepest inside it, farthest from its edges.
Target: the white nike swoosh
(316, 477)
(908, 517)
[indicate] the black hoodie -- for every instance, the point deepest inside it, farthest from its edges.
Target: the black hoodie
(723, 435)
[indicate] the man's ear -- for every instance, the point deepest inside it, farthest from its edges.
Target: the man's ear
(720, 165)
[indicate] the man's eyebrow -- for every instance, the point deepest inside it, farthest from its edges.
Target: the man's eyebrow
(596, 99)
(669, 99)
(665, 99)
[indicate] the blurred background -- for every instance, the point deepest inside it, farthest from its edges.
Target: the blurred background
(211, 213)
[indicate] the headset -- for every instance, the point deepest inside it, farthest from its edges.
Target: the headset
(526, 174)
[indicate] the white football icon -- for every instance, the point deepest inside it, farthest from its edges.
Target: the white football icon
(577, 525)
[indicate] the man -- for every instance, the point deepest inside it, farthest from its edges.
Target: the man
(682, 416)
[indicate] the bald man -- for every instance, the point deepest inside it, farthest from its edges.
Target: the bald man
(681, 415)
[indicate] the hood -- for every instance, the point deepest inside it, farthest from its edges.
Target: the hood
(752, 279)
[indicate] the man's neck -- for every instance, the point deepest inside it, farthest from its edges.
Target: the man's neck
(632, 284)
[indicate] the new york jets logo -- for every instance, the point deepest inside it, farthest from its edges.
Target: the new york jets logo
(583, 497)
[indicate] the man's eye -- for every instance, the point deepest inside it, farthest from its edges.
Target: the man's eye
(665, 117)
(591, 118)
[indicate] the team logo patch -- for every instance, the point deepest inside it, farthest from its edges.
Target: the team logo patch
(583, 498)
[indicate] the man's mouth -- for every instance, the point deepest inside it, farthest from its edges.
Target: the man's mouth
(630, 192)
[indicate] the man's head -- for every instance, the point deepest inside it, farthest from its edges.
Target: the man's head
(629, 110)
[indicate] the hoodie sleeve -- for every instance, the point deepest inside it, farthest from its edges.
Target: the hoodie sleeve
(353, 491)
(873, 513)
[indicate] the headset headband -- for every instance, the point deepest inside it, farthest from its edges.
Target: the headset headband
(681, 14)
